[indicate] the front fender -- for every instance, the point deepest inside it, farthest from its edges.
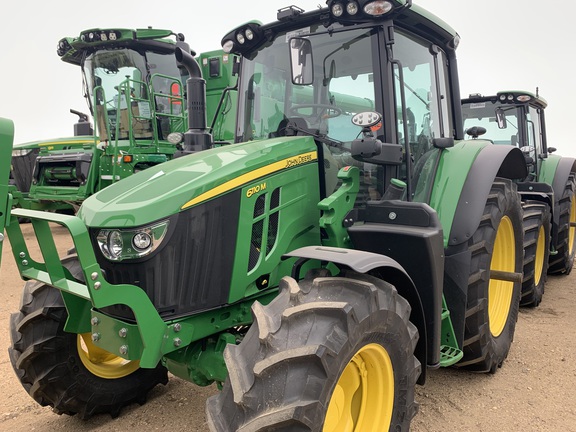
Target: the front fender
(463, 180)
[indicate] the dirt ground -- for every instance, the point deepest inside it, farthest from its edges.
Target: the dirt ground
(534, 390)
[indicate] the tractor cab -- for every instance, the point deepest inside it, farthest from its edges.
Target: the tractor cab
(511, 118)
(132, 85)
(315, 78)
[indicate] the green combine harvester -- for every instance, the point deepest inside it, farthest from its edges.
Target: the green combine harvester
(134, 91)
(516, 118)
(316, 269)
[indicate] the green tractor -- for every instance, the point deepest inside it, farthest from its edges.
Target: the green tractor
(348, 242)
(133, 87)
(516, 118)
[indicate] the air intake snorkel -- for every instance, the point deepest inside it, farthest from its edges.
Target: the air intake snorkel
(197, 137)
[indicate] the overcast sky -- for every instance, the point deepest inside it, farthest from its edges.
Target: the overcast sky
(506, 45)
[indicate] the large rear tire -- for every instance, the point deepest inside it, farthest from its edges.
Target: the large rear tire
(65, 370)
(328, 354)
(492, 305)
(536, 225)
(563, 260)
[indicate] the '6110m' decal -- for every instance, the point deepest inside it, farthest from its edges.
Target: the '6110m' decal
(253, 175)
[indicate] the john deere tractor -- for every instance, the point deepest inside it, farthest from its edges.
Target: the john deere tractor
(133, 88)
(316, 269)
(516, 118)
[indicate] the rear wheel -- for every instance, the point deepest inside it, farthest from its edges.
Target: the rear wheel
(536, 225)
(328, 354)
(492, 304)
(65, 370)
(562, 261)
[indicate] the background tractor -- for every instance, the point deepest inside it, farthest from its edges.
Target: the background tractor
(516, 118)
(347, 242)
(133, 88)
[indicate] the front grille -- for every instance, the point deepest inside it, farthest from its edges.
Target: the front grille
(22, 167)
(192, 269)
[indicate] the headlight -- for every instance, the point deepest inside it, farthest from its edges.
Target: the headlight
(21, 152)
(118, 245)
(141, 241)
(115, 244)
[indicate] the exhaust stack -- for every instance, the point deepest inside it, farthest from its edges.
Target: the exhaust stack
(197, 137)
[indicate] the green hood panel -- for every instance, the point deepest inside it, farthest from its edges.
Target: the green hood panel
(76, 141)
(167, 188)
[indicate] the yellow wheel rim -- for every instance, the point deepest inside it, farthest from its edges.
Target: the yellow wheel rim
(101, 362)
(500, 292)
(572, 230)
(539, 258)
(363, 399)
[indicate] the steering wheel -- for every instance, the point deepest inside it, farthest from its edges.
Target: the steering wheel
(331, 111)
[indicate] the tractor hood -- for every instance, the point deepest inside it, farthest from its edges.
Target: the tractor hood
(173, 186)
(57, 143)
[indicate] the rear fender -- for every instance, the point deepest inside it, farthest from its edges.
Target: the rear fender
(563, 170)
(463, 181)
(566, 166)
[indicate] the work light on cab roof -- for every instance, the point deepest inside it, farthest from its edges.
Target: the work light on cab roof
(512, 97)
(249, 36)
(362, 10)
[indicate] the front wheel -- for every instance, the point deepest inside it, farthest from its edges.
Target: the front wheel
(328, 354)
(65, 370)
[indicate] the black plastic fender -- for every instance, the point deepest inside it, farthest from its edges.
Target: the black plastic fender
(493, 161)
(566, 166)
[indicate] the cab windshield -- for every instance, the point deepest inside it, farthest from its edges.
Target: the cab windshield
(503, 130)
(115, 79)
(340, 83)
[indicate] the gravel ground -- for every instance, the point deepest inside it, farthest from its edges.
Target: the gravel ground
(533, 391)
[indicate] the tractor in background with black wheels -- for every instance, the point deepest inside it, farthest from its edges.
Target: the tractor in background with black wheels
(516, 118)
(348, 242)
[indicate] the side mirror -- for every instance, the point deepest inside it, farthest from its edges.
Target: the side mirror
(551, 149)
(301, 61)
(501, 118)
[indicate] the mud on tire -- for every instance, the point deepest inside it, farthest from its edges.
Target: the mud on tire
(47, 362)
(285, 374)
